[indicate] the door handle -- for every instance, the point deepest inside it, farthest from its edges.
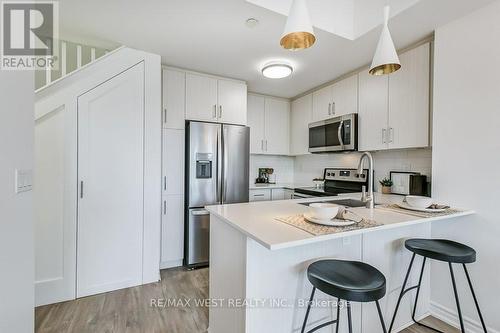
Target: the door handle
(384, 131)
(391, 135)
(164, 207)
(329, 109)
(333, 108)
(200, 212)
(339, 134)
(220, 111)
(214, 113)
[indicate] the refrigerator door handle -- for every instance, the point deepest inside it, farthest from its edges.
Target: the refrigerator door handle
(219, 166)
(224, 173)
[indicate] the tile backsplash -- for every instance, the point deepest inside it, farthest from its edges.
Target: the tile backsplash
(302, 169)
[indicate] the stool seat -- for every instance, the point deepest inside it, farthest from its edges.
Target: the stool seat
(347, 280)
(442, 249)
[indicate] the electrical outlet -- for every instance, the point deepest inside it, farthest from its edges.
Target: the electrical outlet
(23, 180)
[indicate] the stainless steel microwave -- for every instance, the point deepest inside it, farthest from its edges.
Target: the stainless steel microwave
(334, 135)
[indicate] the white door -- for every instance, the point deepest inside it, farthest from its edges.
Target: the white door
(256, 120)
(174, 99)
(300, 117)
(345, 96)
(322, 104)
(277, 127)
(232, 100)
(110, 173)
(409, 100)
(173, 161)
(373, 91)
(172, 231)
(201, 97)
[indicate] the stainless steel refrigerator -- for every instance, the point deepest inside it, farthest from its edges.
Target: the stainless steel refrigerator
(217, 158)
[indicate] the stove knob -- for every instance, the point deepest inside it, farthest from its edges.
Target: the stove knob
(357, 175)
(363, 176)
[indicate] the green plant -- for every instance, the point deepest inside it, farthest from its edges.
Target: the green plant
(386, 182)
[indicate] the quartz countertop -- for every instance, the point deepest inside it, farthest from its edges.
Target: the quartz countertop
(289, 186)
(257, 220)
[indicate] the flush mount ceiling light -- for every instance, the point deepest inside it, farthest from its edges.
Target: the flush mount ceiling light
(299, 33)
(277, 70)
(386, 59)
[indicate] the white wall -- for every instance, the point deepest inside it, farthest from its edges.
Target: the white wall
(282, 165)
(16, 213)
(307, 167)
(467, 98)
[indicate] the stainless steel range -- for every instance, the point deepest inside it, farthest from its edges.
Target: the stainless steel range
(337, 181)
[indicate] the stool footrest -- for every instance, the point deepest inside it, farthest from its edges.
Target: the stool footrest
(322, 325)
(409, 289)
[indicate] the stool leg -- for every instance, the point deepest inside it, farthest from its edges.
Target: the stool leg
(308, 309)
(349, 317)
(418, 290)
(475, 299)
(456, 298)
(338, 316)
(402, 292)
(381, 317)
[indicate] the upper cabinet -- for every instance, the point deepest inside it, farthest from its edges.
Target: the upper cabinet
(174, 98)
(300, 117)
(216, 100)
(335, 100)
(268, 119)
(394, 109)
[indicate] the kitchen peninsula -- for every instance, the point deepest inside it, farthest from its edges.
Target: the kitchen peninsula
(258, 264)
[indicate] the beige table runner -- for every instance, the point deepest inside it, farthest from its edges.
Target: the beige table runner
(300, 222)
(397, 209)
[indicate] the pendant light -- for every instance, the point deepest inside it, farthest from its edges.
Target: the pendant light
(386, 60)
(299, 33)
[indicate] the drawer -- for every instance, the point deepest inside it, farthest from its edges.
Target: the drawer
(260, 195)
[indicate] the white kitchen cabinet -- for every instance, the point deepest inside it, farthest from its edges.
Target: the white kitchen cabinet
(174, 98)
(372, 116)
(232, 101)
(216, 100)
(173, 162)
(172, 231)
(201, 97)
(256, 122)
(268, 119)
(277, 127)
(281, 194)
(409, 100)
(260, 195)
(300, 117)
(394, 109)
(337, 99)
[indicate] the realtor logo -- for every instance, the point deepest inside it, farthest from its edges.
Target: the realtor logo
(29, 34)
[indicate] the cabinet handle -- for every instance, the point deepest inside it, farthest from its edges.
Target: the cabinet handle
(214, 113)
(165, 115)
(262, 145)
(81, 189)
(164, 183)
(384, 140)
(266, 145)
(391, 135)
(164, 207)
(333, 108)
(258, 195)
(220, 111)
(329, 109)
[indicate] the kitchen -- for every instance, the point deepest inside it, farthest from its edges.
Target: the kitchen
(253, 173)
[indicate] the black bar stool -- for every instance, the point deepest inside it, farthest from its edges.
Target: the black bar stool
(349, 281)
(442, 250)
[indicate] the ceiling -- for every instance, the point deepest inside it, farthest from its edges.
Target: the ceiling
(211, 36)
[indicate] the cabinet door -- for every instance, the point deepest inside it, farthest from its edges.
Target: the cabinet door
(256, 122)
(201, 97)
(373, 105)
(232, 101)
(345, 96)
(409, 100)
(174, 98)
(172, 231)
(322, 104)
(260, 195)
(300, 117)
(278, 194)
(173, 161)
(277, 128)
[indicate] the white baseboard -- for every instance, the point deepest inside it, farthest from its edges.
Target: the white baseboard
(408, 324)
(451, 317)
(171, 264)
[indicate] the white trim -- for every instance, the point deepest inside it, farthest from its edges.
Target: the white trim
(202, 73)
(78, 56)
(171, 264)
(450, 317)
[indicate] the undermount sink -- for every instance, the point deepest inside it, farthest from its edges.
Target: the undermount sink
(342, 202)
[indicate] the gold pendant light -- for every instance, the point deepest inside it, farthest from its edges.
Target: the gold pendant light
(299, 33)
(385, 60)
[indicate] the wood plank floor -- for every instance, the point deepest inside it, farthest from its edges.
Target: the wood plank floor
(130, 310)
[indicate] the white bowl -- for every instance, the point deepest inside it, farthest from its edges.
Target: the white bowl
(323, 211)
(418, 201)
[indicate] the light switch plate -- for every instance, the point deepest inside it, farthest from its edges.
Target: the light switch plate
(23, 180)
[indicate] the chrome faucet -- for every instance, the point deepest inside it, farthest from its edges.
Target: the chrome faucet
(369, 200)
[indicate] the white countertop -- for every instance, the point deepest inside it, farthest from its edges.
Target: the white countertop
(290, 186)
(257, 219)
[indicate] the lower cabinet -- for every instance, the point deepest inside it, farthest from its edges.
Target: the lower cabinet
(270, 194)
(172, 231)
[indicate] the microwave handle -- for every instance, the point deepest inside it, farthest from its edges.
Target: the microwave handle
(339, 134)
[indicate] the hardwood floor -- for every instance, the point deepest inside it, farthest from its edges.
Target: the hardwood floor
(130, 310)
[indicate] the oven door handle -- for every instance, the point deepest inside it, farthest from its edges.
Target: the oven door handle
(339, 134)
